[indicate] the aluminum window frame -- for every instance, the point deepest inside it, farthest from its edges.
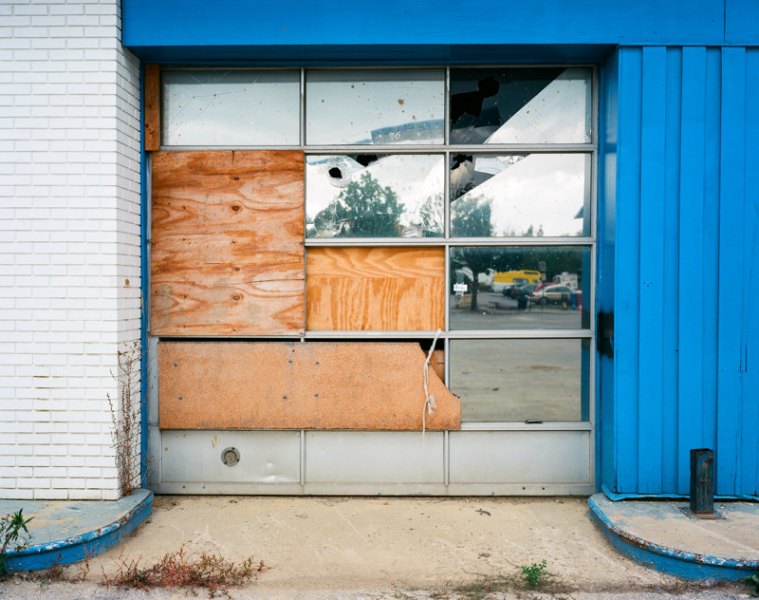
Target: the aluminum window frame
(446, 149)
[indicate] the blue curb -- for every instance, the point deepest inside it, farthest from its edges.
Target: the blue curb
(79, 547)
(681, 563)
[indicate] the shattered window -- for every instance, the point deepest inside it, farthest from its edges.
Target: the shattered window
(231, 107)
(370, 195)
(379, 106)
(520, 106)
(530, 195)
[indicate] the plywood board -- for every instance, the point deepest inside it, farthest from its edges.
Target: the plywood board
(227, 243)
(293, 385)
(152, 108)
(375, 289)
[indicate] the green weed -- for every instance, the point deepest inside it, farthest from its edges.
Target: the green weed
(533, 574)
(14, 535)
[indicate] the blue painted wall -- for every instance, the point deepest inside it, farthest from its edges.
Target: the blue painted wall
(440, 30)
(682, 129)
(678, 187)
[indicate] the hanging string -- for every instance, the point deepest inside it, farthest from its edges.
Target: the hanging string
(429, 401)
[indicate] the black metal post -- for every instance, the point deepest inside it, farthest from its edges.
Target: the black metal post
(702, 481)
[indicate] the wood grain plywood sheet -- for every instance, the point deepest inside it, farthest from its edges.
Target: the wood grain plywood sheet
(375, 289)
(227, 243)
(152, 108)
(293, 385)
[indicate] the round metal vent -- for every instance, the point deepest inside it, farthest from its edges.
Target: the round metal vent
(230, 456)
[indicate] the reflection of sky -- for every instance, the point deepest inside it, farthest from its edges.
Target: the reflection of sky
(258, 107)
(560, 113)
(540, 190)
(228, 108)
(414, 178)
(344, 107)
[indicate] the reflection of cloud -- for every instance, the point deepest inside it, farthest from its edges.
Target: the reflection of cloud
(557, 114)
(544, 190)
(344, 107)
(236, 109)
(414, 178)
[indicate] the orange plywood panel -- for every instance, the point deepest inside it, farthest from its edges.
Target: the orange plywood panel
(227, 243)
(152, 108)
(293, 385)
(375, 289)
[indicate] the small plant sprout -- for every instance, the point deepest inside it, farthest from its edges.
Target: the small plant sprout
(14, 534)
(753, 581)
(533, 574)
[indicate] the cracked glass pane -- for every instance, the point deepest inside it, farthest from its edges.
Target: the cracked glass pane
(519, 287)
(531, 195)
(548, 105)
(379, 106)
(231, 108)
(521, 380)
(370, 195)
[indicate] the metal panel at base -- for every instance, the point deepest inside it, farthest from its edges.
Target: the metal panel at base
(529, 457)
(265, 457)
(374, 457)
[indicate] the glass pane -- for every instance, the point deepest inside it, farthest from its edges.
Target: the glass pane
(369, 195)
(520, 195)
(231, 108)
(521, 380)
(519, 288)
(520, 105)
(375, 106)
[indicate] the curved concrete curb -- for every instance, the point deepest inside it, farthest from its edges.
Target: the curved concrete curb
(85, 545)
(673, 561)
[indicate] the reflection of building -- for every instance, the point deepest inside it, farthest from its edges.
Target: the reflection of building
(656, 142)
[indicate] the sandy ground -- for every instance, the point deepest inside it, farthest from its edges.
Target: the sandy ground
(384, 548)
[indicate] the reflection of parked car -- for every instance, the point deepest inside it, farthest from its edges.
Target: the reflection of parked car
(521, 291)
(522, 294)
(508, 291)
(554, 294)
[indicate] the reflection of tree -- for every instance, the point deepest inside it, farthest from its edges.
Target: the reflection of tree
(473, 220)
(431, 216)
(363, 209)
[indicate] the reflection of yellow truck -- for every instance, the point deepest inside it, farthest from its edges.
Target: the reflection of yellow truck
(506, 279)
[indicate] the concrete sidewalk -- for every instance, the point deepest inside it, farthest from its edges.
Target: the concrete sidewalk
(389, 547)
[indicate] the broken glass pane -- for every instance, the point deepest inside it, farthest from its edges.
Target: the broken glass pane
(231, 108)
(370, 195)
(530, 195)
(521, 380)
(519, 287)
(521, 105)
(379, 106)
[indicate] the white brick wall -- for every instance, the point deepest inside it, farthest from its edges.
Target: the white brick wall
(69, 242)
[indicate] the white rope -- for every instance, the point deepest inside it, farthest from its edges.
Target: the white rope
(429, 401)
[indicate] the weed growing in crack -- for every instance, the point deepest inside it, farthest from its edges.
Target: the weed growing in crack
(754, 582)
(14, 535)
(177, 570)
(125, 416)
(533, 574)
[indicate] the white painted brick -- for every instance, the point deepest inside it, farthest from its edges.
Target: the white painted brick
(51, 494)
(69, 237)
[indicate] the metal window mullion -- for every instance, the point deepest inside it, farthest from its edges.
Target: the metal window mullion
(302, 108)
(579, 242)
(374, 243)
(520, 334)
(391, 149)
